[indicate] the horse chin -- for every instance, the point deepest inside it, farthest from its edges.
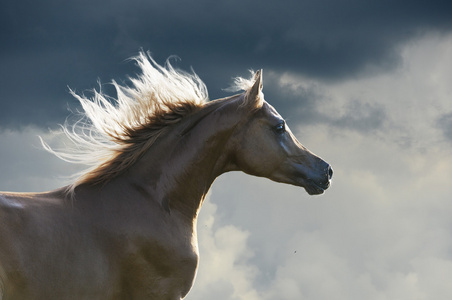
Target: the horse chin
(313, 188)
(310, 186)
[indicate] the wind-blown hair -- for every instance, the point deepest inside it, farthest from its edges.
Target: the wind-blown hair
(253, 98)
(242, 84)
(112, 134)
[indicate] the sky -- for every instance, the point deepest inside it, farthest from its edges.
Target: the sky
(363, 84)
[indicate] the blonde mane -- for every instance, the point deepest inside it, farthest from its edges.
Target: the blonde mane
(112, 134)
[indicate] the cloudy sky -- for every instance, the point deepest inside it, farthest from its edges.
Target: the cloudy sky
(364, 84)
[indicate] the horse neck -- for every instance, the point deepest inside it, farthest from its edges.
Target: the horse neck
(179, 169)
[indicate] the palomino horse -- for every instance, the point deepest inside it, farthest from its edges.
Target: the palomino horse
(126, 228)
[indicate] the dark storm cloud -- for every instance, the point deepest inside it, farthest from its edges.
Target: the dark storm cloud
(362, 117)
(445, 124)
(301, 107)
(49, 45)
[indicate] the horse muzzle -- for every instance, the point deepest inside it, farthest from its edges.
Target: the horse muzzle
(318, 185)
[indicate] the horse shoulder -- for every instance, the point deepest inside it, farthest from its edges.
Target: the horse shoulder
(159, 262)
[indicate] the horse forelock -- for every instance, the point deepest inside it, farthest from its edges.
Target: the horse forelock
(113, 133)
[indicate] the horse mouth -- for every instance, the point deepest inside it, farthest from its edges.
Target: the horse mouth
(313, 188)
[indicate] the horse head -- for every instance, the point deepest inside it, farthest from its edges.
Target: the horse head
(265, 146)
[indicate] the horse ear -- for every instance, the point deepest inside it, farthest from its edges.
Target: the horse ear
(254, 95)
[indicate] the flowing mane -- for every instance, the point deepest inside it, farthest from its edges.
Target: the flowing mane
(113, 133)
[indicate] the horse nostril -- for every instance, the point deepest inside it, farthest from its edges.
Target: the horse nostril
(330, 172)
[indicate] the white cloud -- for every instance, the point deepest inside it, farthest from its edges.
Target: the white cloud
(224, 270)
(383, 230)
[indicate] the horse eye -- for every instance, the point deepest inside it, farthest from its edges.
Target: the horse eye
(281, 127)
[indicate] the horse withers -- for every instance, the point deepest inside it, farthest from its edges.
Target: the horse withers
(126, 227)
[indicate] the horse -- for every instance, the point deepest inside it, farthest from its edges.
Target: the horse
(126, 227)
